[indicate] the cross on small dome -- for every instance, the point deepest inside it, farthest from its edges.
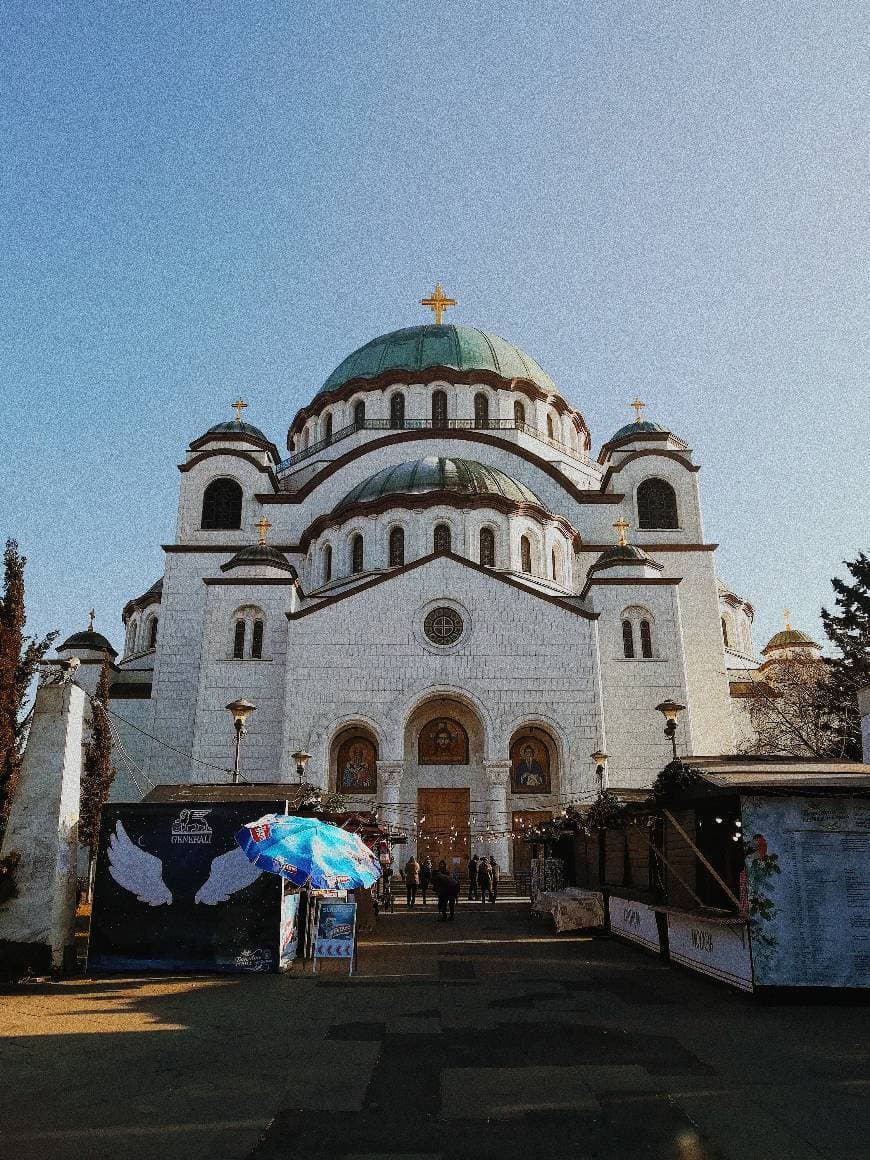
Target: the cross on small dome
(438, 302)
(622, 525)
(262, 525)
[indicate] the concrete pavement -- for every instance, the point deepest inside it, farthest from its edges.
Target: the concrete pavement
(486, 1037)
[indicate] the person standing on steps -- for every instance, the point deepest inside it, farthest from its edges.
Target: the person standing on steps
(447, 889)
(425, 878)
(484, 881)
(412, 880)
(472, 877)
(496, 876)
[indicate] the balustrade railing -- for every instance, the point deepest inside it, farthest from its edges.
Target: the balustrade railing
(426, 424)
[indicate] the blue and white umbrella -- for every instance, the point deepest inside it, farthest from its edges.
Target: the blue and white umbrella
(306, 850)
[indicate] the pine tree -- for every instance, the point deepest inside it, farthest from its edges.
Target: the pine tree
(20, 656)
(98, 772)
(848, 629)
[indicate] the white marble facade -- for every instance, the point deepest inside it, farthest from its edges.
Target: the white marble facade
(342, 649)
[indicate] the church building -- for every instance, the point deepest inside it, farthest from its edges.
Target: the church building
(442, 594)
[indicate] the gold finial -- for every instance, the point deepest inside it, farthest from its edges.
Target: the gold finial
(622, 525)
(262, 525)
(238, 406)
(638, 408)
(787, 621)
(91, 617)
(438, 303)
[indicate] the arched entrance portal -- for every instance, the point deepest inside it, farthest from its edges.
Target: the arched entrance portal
(444, 746)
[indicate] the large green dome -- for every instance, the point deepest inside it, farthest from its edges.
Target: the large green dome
(416, 347)
(435, 474)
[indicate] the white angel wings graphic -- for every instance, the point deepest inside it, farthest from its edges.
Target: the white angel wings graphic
(142, 873)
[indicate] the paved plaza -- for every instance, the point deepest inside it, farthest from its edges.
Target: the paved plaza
(482, 1039)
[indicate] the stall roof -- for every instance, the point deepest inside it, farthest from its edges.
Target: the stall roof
(261, 791)
(780, 774)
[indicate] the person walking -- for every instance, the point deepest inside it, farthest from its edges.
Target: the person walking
(425, 878)
(472, 877)
(484, 881)
(412, 880)
(447, 889)
(496, 876)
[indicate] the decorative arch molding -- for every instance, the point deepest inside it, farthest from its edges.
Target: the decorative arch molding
(236, 454)
(326, 729)
(550, 726)
(580, 495)
(675, 455)
(442, 499)
(400, 712)
(235, 437)
(427, 376)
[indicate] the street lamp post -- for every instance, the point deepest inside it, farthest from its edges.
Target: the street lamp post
(301, 758)
(670, 710)
(241, 711)
(600, 759)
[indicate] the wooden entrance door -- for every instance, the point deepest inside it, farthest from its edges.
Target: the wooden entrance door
(442, 822)
(523, 819)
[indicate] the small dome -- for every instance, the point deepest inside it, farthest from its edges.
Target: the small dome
(419, 476)
(463, 347)
(240, 429)
(638, 429)
(789, 638)
(87, 641)
(258, 555)
(624, 555)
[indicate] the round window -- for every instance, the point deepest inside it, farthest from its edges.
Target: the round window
(443, 626)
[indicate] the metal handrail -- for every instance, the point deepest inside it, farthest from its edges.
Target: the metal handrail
(422, 425)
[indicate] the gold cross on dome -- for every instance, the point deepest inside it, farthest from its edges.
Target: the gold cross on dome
(788, 620)
(438, 303)
(262, 525)
(91, 616)
(638, 408)
(238, 406)
(622, 526)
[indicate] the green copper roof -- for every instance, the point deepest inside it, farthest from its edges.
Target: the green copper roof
(637, 429)
(435, 474)
(87, 640)
(416, 347)
(233, 428)
(789, 638)
(255, 555)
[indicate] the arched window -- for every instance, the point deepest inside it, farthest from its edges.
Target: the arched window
(152, 632)
(356, 553)
(526, 554)
(397, 410)
(327, 563)
(222, 505)
(442, 538)
(397, 547)
(130, 642)
(724, 631)
(487, 547)
(656, 505)
(481, 410)
(257, 640)
(645, 639)
(519, 412)
(359, 414)
(627, 639)
(555, 563)
(327, 426)
(550, 433)
(439, 408)
(239, 640)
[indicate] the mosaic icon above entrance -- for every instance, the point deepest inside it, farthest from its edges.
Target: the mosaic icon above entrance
(443, 626)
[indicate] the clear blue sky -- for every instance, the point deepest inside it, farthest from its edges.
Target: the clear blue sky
(203, 199)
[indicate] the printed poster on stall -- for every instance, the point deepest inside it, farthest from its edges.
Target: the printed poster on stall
(289, 941)
(808, 870)
(336, 930)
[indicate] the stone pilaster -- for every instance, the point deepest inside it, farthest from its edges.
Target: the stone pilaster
(390, 775)
(497, 776)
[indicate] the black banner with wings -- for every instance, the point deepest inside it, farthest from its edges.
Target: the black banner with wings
(173, 891)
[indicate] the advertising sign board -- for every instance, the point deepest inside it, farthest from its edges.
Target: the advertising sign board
(173, 891)
(635, 921)
(716, 949)
(336, 930)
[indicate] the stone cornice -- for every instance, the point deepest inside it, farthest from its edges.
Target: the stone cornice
(589, 547)
(627, 581)
(236, 437)
(641, 437)
(580, 495)
(235, 453)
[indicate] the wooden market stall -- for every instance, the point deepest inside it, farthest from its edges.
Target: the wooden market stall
(752, 870)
